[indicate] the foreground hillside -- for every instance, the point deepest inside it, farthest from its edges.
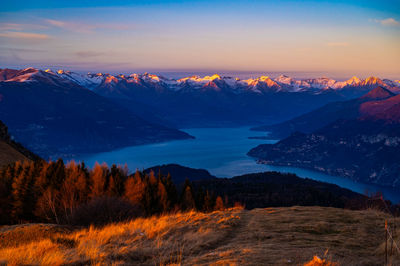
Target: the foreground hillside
(11, 151)
(284, 236)
(8, 154)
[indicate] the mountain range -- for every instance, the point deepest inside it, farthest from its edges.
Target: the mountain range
(358, 139)
(260, 84)
(62, 113)
(56, 117)
(221, 101)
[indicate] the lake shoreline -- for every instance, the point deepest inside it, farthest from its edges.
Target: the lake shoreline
(222, 152)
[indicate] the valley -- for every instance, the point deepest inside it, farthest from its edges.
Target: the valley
(133, 119)
(221, 151)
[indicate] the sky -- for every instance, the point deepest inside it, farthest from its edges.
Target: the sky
(331, 38)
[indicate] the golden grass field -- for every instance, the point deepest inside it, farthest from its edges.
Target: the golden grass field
(272, 236)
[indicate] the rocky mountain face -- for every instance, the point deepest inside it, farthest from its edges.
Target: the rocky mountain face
(55, 117)
(365, 146)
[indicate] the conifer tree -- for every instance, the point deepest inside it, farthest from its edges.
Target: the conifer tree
(219, 204)
(162, 195)
(135, 189)
(98, 181)
(187, 198)
(22, 191)
(208, 202)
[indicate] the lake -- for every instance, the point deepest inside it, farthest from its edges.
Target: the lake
(222, 151)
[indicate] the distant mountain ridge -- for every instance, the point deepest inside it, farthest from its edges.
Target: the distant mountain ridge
(219, 100)
(281, 83)
(58, 117)
(359, 139)
(47, 110)
(351, 109)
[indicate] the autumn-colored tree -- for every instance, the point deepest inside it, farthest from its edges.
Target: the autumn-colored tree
(58, 176)
(98, 178)
(56, 193)
(6, 198)
(152, 179)
(23, 197)
(116, 182)
(219, 204)
(171, 191)
(208, 202)
(73, 190)
(162, 195)
(187, 198)
(48, 205)
(135, 189)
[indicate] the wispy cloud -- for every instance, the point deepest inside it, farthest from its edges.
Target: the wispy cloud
(22, 50)
(86, 27)
(337, 44)
(5, 26)
(71, 26)
(88, 54)
(10, 26)
(24, 35)
(387, 22)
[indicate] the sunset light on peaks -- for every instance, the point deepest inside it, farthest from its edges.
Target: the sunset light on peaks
(203, 132)
(329, 37)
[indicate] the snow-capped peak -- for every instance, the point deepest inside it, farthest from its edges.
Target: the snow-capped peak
(111, 79)
(284, 79)
(151, 77)
(199, 80)
(354, 80)
(372, 81)
(261, 84)
(215, 76)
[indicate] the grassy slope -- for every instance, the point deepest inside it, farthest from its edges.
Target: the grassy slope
(8, 154)
(283, 236)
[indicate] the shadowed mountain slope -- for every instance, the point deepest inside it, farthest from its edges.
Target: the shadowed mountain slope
(377, 98)
(54, 116)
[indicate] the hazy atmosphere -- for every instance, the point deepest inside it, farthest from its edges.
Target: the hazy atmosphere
(333, 38)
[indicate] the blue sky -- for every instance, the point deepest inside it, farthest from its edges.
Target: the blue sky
(332, 37)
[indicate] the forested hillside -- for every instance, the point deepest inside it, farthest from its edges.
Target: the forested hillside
(52, 192)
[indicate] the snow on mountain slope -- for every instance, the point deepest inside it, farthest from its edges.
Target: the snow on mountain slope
(354, 81)
(292, 84)
(321, 83)
(259, 85)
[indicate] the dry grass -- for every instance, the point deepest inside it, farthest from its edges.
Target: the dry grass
(9, 155)
(274, 236)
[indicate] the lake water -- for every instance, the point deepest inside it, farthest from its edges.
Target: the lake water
(222, 151)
